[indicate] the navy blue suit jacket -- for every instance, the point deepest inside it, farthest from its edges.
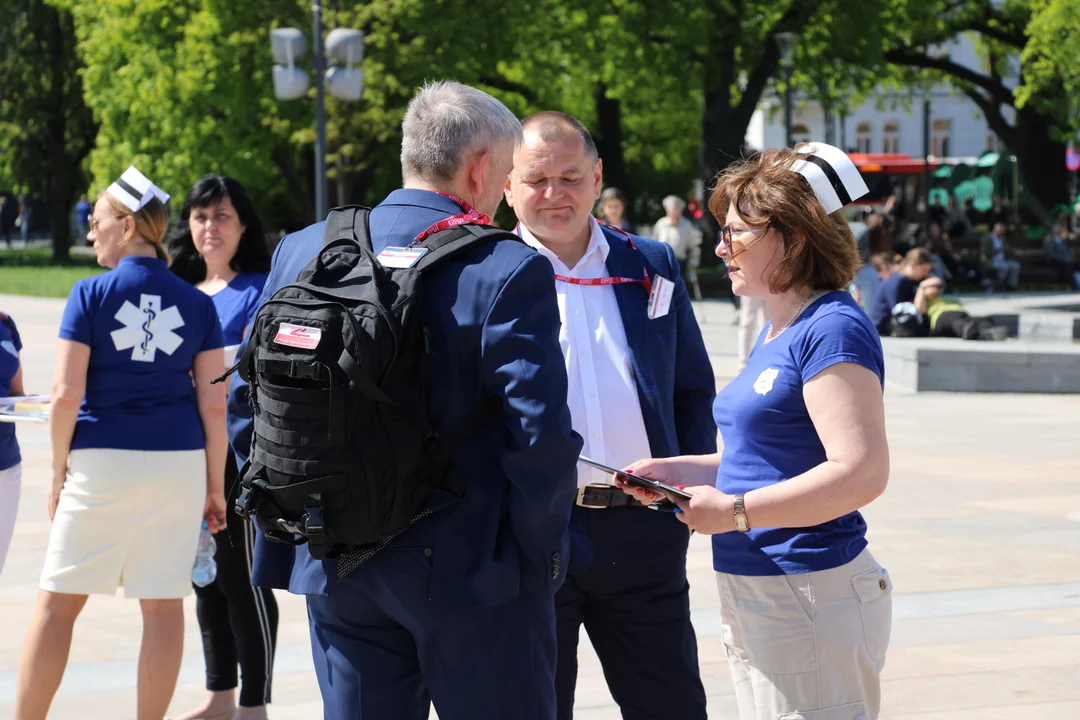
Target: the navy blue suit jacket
(675, 380)
(494, 323)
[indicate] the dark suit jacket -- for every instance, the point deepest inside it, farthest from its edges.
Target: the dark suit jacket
(494, 325)
(675, 379)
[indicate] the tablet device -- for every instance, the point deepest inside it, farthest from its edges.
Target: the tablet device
(646, 483)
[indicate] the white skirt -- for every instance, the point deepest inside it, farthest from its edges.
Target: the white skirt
(127, 518)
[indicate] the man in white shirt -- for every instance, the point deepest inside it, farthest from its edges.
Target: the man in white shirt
(640, 385)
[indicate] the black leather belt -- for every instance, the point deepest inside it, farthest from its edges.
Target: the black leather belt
(601, 497)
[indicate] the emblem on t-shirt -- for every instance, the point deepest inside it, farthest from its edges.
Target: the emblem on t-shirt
(764, 381)
(147, 328)
(10, 347)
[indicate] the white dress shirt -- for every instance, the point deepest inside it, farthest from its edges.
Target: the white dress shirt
(603, 395)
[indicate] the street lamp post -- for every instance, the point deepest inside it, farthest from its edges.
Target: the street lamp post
(935, 51)
(786, 41)
(343, 48)
(926, 154)
(319, 66)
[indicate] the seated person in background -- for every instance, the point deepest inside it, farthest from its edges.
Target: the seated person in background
(938, 212)
(957, 222)
(971, 213)
(997, 213)
(940, 267)
(946, 317)
(994, 251)
(1057, 252)
(883, 265)
(939, 245)
(900, 287)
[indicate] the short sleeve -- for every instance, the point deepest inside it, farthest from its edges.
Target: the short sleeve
(214, 338)
(840, 336)
(77, 323)
(9, 322)
(252, 298)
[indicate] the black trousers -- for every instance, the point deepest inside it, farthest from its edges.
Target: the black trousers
(954, 323)
(238, 621)
(635, 604)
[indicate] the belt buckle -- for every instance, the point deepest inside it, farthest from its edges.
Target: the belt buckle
(580, 502)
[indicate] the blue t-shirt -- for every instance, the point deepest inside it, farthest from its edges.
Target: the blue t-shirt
(82, 211)
(769, 437)
(10, 345)
(892, 290)
(144, 327)
(236, 304)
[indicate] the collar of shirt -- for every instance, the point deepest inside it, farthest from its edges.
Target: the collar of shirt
(591, 265)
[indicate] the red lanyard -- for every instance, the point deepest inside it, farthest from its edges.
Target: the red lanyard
(469, 215)
(644, 280)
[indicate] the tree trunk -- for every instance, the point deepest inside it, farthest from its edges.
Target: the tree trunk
(1041, 159)
(723, 143)
(609, 143)
(60, 188)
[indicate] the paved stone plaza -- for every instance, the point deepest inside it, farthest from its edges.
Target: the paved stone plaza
(980, 529)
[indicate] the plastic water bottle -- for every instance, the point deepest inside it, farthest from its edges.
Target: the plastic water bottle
(205, 569)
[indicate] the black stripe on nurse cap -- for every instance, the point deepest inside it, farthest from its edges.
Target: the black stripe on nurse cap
(832, 175)
(134, 190)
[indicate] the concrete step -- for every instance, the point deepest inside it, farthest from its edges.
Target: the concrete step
(1012, 366)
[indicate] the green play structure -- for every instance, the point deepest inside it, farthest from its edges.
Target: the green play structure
(991, 174)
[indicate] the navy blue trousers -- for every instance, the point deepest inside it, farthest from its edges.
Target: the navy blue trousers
(384, 651)
(635, 604)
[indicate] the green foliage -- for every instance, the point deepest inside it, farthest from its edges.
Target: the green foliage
(181, 88)
(44, 123)
(1050, 61)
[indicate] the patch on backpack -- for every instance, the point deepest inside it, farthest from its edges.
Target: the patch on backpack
(298, 336)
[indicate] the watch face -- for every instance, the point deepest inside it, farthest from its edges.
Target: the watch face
(740, 522)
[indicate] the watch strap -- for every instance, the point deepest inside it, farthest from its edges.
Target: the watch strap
(741, 522)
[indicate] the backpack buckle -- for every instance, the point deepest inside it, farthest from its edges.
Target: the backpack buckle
(313, 521)
(245, 502)
(307, 371)
(289, 526)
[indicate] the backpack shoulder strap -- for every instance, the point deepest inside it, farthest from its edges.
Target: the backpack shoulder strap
(449, 243)
(348, 223)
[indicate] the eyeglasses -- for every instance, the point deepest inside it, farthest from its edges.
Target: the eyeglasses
(727, 236)
(93, 222)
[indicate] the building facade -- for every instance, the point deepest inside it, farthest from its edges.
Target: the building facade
(889, 122)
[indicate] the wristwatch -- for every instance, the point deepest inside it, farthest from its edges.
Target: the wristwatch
(740, 514)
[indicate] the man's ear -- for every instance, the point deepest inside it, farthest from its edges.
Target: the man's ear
(478, 166)
(508, 192)
(598, 179)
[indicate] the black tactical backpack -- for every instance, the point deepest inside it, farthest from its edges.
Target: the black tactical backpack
(343, 454)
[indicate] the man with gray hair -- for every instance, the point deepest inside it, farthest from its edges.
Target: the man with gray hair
(456, 610)
(675, 230)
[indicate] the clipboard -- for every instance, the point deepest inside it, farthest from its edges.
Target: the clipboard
(637, 480)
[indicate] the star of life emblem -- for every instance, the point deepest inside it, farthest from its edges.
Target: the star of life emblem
(765, 380)
(147, 328)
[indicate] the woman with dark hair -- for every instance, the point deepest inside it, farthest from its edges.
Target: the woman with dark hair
(219, 247)
(806, 608)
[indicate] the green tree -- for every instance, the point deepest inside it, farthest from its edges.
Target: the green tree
(1023, 87)
(47, 128)
(182, 88)
(1049, 59)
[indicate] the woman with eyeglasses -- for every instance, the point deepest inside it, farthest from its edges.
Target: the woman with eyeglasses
(219, 246)
(138, 449)
(806, 608)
